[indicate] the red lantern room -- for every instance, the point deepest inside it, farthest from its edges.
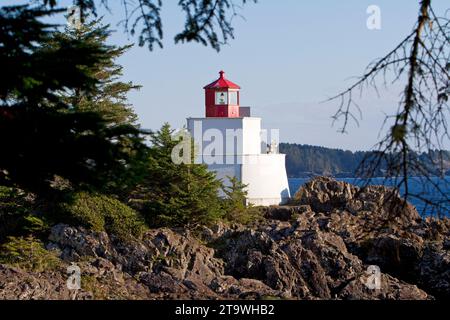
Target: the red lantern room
(222, 98)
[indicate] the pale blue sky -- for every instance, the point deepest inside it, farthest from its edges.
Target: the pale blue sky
(287, 55)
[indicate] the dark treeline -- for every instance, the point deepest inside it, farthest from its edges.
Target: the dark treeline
(305, 160)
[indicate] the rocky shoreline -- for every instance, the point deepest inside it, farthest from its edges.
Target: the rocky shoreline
(318, 247)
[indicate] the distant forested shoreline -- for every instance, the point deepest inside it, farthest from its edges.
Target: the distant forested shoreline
(305, 161)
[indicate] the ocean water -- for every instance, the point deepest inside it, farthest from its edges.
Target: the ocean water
(426, 191)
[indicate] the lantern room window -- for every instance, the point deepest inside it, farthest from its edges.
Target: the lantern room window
(221, 98)
(233, 98)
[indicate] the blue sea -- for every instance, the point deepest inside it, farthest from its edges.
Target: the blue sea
(427, 191)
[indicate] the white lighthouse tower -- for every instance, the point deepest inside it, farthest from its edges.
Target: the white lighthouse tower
(232, 143)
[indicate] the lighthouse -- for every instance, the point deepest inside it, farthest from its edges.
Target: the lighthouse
(231, 142)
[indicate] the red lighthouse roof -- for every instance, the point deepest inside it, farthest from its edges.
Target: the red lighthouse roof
(222, 83)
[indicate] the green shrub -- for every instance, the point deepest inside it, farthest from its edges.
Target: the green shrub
(29, 254)
(14, 207)
(234, 203)
(36, 225)
(102, 213)
(245, 216)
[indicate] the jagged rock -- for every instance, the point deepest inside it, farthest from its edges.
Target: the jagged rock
(285, 213)
(77, 242)
(394, 254)
(391, 288)
(161, 282)
(320, 247)
(19, 284)
(212, 233)
(183, 256)
(378, 227)
(244, 288)
(310, 264)
(327, 195)
(434, 272)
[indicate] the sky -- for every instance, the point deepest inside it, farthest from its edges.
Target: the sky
(288, 56)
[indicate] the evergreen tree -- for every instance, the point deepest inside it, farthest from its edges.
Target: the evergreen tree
(42, 134)
(235, 196)
(235, 206)
(110, 95)
(176, 194)
(109, 100)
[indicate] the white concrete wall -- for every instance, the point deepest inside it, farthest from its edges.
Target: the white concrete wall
(252, 135)
(265, 174)
(247, 130)
(266, 177)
